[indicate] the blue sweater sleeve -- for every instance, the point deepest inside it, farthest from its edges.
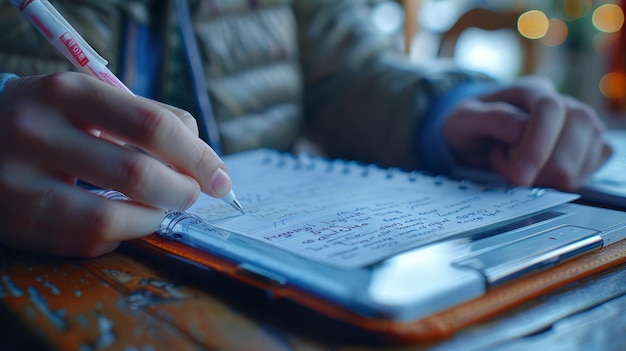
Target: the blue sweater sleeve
(5, 78)
(432, 147)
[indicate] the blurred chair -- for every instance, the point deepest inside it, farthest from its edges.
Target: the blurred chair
(410, 23)
(489, 20)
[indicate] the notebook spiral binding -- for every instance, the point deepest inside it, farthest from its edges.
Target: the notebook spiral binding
(310, 162)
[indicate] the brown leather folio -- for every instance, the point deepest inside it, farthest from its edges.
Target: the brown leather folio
(435, 327)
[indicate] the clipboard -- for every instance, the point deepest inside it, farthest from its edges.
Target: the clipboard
(422, 290)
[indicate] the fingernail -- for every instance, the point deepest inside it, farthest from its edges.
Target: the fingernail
(220, 184)
(526, 172)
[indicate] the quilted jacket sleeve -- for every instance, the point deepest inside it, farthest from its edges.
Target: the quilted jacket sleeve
(363, 99)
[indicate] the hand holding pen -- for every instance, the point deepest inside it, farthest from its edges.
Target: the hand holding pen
(47, 142)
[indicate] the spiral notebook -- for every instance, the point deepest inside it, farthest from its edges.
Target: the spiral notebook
(349, 215)
(379, 247)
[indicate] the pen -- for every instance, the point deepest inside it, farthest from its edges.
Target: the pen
(177, 225)
(49, 22)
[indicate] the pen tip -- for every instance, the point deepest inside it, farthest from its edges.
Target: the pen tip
(232, 201)
(237, 206)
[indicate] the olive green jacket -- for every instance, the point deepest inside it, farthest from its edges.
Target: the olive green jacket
(275, 71)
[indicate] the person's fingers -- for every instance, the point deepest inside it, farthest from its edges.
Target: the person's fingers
(596, 158)
(562, 169)
(62, 148)
(568, 176)
(141, 123)
(474, 128)
(44, 215)
(599, 149)
(474, 119)
(547, 116)
(523, 92)
(186, 117)
(581, 148)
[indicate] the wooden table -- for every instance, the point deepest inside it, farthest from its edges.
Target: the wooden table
(129, 301)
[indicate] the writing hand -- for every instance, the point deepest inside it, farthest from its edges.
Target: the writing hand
(47, 142)
(530, 134)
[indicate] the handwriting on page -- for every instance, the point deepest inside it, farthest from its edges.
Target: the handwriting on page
(377, 229)
(349, 220)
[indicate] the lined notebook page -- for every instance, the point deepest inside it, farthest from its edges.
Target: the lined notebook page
(349, 215)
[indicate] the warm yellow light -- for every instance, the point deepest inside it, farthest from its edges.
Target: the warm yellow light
(613, 85)
(533, 24)
(608, 18)
(575, 9)
(557, 33)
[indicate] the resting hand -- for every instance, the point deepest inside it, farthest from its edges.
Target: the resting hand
(48, 128)
(529, 134)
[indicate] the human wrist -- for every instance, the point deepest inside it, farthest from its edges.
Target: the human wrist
(432, 148)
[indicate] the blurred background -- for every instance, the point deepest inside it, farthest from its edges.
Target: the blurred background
(579, 44)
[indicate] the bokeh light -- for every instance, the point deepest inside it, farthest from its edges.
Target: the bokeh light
(604, 43)
(575, 9)
(613, 85)
(388, 17)
(497, 52)
(533, 24)
(557, 33)
(608, 18)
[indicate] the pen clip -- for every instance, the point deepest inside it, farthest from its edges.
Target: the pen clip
(68, 27)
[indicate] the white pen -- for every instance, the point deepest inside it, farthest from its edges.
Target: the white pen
(49, 22)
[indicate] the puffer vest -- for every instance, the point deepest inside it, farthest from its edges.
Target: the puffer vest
(275, 72)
